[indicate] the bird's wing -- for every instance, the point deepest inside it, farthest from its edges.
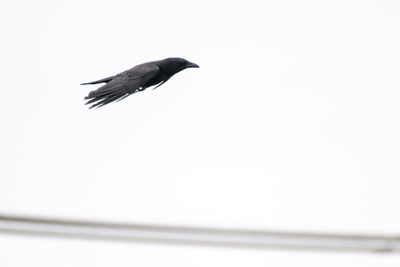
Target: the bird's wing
(105, 80)
(124, 84)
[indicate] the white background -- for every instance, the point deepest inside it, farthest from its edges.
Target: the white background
(291, 123)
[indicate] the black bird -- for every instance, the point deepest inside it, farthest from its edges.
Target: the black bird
(136, 79)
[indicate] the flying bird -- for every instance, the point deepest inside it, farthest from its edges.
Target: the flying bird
(136, 79)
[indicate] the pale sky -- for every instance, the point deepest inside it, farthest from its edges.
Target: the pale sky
(291, 123)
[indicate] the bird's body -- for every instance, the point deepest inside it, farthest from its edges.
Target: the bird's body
(136, 79)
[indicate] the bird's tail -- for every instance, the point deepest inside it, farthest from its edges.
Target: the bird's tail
(105, 95)
(105, 80)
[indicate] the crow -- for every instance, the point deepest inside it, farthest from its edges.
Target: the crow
(135, 80)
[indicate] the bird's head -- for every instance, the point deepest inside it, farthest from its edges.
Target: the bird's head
(179, 64)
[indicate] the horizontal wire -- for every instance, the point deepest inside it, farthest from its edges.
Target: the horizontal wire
(218, 237)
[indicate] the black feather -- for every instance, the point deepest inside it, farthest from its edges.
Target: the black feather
(136, 79)
(105, 80)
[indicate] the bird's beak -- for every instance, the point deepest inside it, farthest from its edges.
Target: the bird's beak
(192, 65)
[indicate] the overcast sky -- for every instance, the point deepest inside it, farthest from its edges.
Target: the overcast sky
(291, 123)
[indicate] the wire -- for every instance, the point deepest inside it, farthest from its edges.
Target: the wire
(218, 237)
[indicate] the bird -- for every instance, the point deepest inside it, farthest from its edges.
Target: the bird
(136, 79)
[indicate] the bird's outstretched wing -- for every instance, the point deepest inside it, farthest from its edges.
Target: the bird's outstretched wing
(123, 85)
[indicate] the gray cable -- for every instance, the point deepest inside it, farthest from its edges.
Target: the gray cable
(107, 231)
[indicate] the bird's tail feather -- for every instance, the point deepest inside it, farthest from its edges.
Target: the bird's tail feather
(103, 96)
(102, 100)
